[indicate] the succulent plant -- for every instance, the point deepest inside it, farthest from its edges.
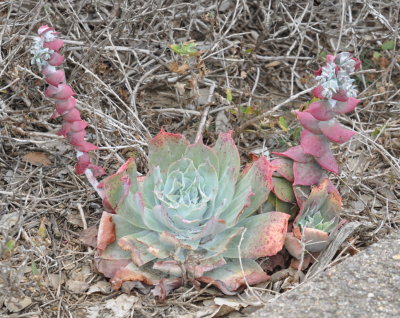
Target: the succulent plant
(319, 217)
(47, 58)
(192, 216)
(307, 164)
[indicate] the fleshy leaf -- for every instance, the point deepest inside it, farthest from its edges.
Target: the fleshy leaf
(341, 96)
(328, 162)
(133, 273)
(72, 115)
(302, 193)
(56, 59)
(119, 184)
(296, 154)
(283, 189)
(165, 148)
(264, 236)
(307, 174)
(106, 234)
(315, 145)
(228, 172)
(65, 105)
(322, 209)
(228, 155)
(294, 246)
(346, 107)
(113, 258)
(62, 91)
(284, 167)
(219, 243)
(308, 122)
(200, 153)
(335, 132)
(315, 240)
(82, 163)
(321, 110)
(261, 175)
(55, 78)
(317, 92)
(54, 45)
(234, 275)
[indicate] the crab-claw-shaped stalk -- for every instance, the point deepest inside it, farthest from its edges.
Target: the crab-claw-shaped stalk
(47, 57)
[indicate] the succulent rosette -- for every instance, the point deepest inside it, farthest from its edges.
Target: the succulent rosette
(192, 217)
(319, 217)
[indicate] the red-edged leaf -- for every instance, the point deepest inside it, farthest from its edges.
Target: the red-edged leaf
(108, 267)
(335, 132)
(328, 162)
(340, 96)
(346, 107)
(65, 128)
(76, 138)
(72, 115)
(78, 125)
(82, 163)
(106, 234)
(307, 174)
(63, 91)
(284, 167)
(65, 105)
(264, 236)
(293, 246)
(55, 78)
(54, 45)
(228, 156)
(133, 273)
(166, 148)
(315, 145)
(358, 63)
(321, 110)
(56, 59)
(295, 153)
(308, 122)
(315, 240)
(97, 170)
(139, 252)
(317, 92)
(44, 28)
(234, 275)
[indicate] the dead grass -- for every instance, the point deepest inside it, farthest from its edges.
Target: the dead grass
(119, 63)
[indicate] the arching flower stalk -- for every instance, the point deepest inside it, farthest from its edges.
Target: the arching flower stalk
(47, 57)
(307, 165)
